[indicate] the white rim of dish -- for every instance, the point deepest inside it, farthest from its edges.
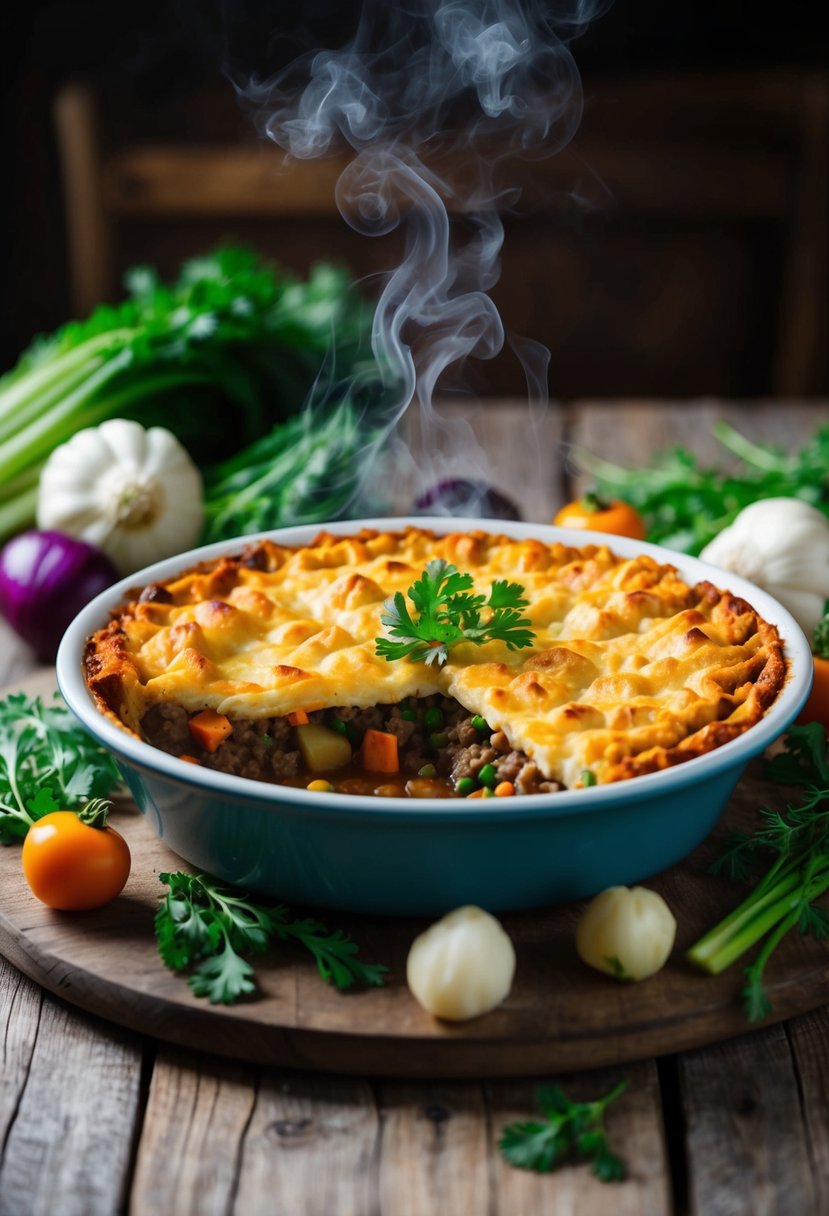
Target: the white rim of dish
(144, 756)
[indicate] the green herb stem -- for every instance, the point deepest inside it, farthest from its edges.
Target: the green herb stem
(751, 453)
(27, 480)
(785, 897)
(19, 513)
(745, 926)
(43, 434)
(28, 396)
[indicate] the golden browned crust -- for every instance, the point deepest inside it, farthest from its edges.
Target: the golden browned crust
(632, 669)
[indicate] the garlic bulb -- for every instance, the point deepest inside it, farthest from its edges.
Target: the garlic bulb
(462, 966)
(131, 492)
(627, 932)
(782, 545)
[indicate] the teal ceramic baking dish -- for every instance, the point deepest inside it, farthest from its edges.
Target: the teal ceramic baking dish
(399, 857)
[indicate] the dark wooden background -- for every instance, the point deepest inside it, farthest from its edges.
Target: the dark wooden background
(697, 265)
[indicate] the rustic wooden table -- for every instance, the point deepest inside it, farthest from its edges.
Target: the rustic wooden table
(95, 1119)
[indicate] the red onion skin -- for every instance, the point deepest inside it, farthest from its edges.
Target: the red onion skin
(45, 580)
(463, 496)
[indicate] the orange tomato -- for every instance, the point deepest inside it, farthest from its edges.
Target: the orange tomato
(600, 515)
(816, 708)
(71, 865)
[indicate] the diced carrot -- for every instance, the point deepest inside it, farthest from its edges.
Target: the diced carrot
(297, 717)
(189, 759)
(209, 729)
(379, 752)
(504, 789)
(476, 794)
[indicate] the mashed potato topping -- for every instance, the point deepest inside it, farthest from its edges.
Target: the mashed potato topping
(632, 669)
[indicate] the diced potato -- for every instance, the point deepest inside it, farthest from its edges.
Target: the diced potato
(322, 748)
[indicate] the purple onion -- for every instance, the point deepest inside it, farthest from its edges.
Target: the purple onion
(464, 496)
(45, 580)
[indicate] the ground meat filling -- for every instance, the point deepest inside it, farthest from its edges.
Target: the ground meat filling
(436, 736)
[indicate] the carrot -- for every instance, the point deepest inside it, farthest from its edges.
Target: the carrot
(189, 759)
(504, 789)
(476, 794)
(297, 717)
(379, 752)
(209, 729)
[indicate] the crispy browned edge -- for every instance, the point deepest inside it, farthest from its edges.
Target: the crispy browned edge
(109, 668)
(769, 674)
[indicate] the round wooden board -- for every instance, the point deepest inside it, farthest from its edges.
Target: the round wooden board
(559, 1016)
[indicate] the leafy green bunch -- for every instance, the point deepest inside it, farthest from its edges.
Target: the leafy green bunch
(307, 469)
(449, 612)
(47, 763)
(685, 504)
(206, 928)
(218, 357)
(790, 852)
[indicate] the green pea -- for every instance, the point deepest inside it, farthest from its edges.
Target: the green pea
(433, 718)
(338, 725)
(588, 778)
(428, 770)
(466, 785)
(408, 715)
(481, 725)
(438, 738)
(487, 775)
(488, 792)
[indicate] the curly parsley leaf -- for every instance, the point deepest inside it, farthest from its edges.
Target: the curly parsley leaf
(448, 612)
(48, 762)
(570, 1130)
(206, 928)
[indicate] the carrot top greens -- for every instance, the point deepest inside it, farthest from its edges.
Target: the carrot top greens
(794, 846)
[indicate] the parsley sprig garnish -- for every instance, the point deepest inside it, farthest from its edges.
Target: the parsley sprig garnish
(47, 763)
(205, 927)
(449, 612)
(783, 899)
(570, 1130)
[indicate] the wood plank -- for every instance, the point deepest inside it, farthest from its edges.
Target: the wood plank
(253, 1143)
(20, 1006)
(197, 1116)
(68, 1143)
(314, 1137)
(809, 1037)
(89, 227)
(434, 1155)
(746, 1140)
(693, 179)
(634, 1125)
(803, 309)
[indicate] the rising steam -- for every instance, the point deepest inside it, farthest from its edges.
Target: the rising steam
(435, 100)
